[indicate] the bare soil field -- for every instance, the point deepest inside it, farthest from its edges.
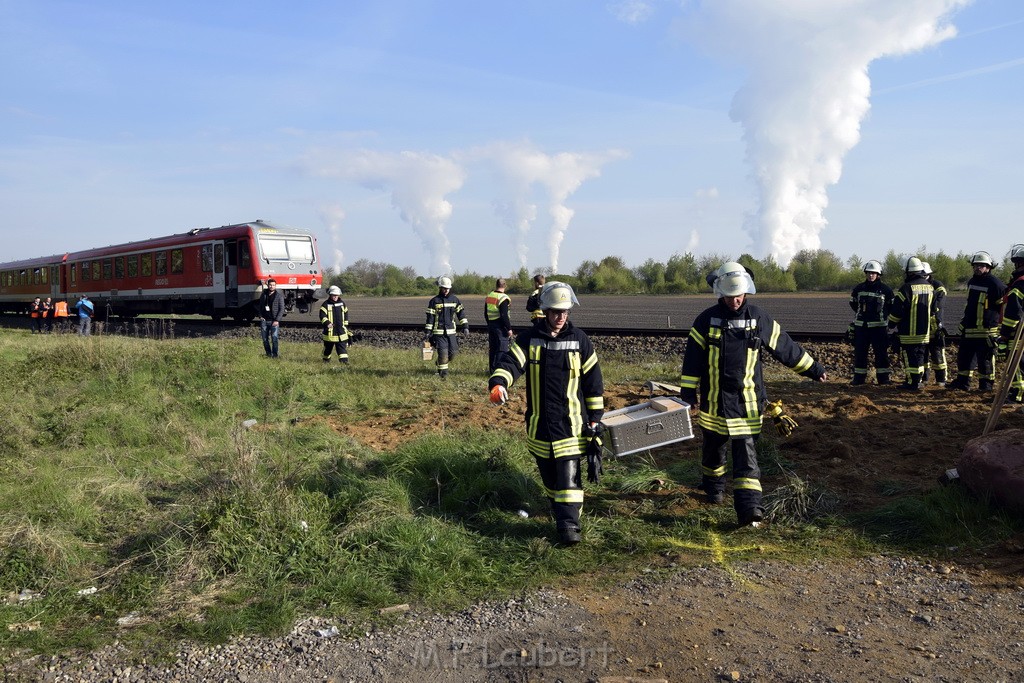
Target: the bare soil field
(695, 614)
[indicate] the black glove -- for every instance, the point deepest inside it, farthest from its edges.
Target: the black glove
(594, 467)
(784, 424)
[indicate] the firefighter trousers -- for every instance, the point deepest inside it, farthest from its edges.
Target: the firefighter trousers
(746, 475)
(563, 484)
(868, 340)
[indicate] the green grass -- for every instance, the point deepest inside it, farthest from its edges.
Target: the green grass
(126, 468)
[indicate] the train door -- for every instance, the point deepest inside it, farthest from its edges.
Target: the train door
(230, 260)
(55, 283)
(218, 268)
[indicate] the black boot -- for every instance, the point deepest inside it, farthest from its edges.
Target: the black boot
(858, 379)
(940, 376)
(883, 378)
(960, 383)
(985, 385)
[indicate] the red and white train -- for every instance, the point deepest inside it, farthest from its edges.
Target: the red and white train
(209, 271)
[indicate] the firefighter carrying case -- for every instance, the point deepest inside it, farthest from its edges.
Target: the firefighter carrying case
(647, 425)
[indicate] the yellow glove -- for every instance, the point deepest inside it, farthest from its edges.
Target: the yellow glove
(784, 424)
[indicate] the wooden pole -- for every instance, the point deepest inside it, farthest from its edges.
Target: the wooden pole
(1007, 379)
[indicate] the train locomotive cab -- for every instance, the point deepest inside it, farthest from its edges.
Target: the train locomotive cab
(290, 258)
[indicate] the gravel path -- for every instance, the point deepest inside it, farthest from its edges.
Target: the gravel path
(874, 619)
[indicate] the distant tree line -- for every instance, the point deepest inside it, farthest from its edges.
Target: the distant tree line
(811, 270)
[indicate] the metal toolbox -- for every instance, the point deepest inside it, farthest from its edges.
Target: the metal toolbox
(651, 424)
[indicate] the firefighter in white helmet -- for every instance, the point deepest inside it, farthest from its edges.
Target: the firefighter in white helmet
(910, 318)
(722, 381)
(979, 327)
(444, 315)
(564, 401)
(870, 301)
(334, 321)
(1013, 314)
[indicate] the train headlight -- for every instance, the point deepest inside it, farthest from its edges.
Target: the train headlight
(312, 283)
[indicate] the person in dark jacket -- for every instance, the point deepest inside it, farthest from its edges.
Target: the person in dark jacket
(936, 361)
(564, 401)
(722, 381)
(533, 301)
(499, 326)
(334, 321)
(1013, 313)
(870, 301)
(979, 328)
(911, 318)
(444, 313)
(271, 311)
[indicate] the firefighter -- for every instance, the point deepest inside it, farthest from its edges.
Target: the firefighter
(35, 313)
(722, 381)
(564, 401)
(910, 319)
(444, 313)
(499, 326)
(334, 320)
(936, 353)
(533, 301)
(870, 301)
(1013, 313)
(979, 327)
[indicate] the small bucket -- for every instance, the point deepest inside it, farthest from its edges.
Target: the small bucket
(427, 351)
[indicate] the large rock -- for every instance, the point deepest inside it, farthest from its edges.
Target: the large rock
(993, 466)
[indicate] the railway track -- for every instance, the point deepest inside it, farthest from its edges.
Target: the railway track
(806, 317)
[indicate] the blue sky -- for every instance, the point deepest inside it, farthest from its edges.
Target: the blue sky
(484, 136)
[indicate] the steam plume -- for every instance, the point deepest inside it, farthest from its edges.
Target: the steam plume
(418, 184)
(807, 92)
(520, 168)
(332, 218)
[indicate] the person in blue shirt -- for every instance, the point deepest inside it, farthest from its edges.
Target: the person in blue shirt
(85, 311)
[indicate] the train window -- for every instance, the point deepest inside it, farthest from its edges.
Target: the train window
(35, 276)
(96, 274)
(85, 271)
(161, 262)
(42, 274)
(133, 265)
(119, 267)
(218, 258)
(291, 248)
(206, 257)
(244, 258)
(108, 271)
(177, 261)
(147, 265)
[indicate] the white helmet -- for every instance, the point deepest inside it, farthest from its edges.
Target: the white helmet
(873, 267)
(335, 290)
(981, 258)
(927, 267)
(732, 279)
(914, 265)
(558, 296)
(444, 282)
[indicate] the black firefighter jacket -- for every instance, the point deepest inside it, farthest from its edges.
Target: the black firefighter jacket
(564, 387)
(723, 360)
